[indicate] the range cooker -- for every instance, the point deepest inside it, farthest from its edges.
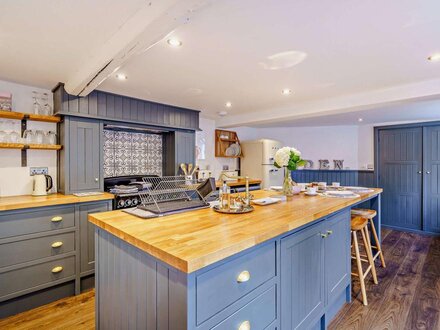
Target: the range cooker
(124, 200)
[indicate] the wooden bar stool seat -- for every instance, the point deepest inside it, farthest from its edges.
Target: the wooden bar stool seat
(370, 214)
(360, 224)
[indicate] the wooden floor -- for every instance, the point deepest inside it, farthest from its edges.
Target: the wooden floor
(407, 296)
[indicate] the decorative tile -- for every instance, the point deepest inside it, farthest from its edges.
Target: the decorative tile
(128, 153)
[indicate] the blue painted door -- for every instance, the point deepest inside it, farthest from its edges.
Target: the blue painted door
(337, 254)
(431, 214)
(302, 278)
(400, 175)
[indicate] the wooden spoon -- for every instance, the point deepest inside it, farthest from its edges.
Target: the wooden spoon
(190, 167)
(183, 167)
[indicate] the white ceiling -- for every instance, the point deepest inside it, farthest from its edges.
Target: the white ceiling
(376, 49)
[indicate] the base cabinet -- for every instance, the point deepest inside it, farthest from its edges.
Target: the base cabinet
(87, 236)
(315, 270)
(299, 281)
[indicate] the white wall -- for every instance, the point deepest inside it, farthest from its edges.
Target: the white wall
(326, 142)
(215, 164)
(14, 179)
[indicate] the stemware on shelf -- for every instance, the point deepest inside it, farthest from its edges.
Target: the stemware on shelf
(39, 137)
(50, 138)
(36, 106)
(47, 109)
(29, 136)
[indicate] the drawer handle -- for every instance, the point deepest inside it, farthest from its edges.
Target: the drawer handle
(323, 235)
(329, 232)
(246, 325)
(56, 219)
(57, 269)
(57, 244)
(244, 276)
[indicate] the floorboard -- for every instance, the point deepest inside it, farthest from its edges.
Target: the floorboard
(407, 296)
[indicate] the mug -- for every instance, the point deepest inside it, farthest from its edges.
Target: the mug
(302, 185)
(336, 184)
(311, 190)
(322, 184)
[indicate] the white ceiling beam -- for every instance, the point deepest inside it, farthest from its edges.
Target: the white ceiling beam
(148, 26)
(348, 103)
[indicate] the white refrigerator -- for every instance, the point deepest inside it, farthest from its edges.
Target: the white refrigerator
(258, 159)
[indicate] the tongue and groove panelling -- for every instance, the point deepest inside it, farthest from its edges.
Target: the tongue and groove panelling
(110, 106)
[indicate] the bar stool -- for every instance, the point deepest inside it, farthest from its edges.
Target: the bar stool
(361, 224)
(370, 214)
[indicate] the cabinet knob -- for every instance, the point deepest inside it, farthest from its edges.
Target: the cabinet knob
(428, 172)
(57, 269)
(96, 179)
(56, 219)
(419, 172)
(244, 276)
(246, 325)
(57, 244)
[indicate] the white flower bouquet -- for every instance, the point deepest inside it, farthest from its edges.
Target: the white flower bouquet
(289, 158)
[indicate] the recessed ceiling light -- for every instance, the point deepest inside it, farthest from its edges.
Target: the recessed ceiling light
(222, 113)
(173, 42)
(434, 57)
(228, 104)
(286, 91)
(360, 120)
(121, 76)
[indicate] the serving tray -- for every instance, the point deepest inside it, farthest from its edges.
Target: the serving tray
(246, 209)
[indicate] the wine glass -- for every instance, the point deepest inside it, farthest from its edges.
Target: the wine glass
(36, 107)
(47, 109)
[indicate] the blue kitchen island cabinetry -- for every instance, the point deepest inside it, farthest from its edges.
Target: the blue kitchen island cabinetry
(298, 279)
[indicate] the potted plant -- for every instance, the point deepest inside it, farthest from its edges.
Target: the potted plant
(290, 159)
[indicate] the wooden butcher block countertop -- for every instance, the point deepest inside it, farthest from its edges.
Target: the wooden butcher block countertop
(192, 240)
(27, 201)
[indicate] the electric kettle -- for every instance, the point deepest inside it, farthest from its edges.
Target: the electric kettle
(42, 184)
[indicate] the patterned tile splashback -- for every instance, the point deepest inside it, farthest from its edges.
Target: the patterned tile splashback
(128, 153)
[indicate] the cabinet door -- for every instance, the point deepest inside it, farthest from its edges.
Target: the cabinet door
(185, 148)
(431, 209)
(87, 235)
(85, 155)
(337, 254)
(400, 169)
(302, 278)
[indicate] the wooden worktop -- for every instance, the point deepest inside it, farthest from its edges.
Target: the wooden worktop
(27, 201)
(192, 240)
(236, 183)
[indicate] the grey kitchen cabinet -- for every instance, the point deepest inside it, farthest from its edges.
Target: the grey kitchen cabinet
(44, 251)
(337, 257)
(315, 270)
(302, 280)
(87, 235)
(81, 159)
(179, 147)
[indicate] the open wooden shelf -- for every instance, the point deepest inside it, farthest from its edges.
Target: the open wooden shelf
(28, 116)
(11, 115)
(22, 146)
(47, 119)
(11, 145)
(223, 140)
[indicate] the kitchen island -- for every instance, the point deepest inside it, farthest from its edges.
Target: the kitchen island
(283, 266)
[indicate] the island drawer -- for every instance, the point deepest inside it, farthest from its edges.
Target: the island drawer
(26, 278)
(258, 314)
(219, 287)
(36, 221)
(17, 252)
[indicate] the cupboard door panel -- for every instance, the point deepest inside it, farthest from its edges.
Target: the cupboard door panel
(431, 208)
(87, 234)
(85, 155)
(337, 254)
(400, 157)
(302, 278)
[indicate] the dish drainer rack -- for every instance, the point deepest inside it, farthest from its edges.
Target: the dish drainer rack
(169, 194)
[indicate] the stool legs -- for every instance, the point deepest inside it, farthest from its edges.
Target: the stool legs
(366, 238)
(378, 245)
(359, 266)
